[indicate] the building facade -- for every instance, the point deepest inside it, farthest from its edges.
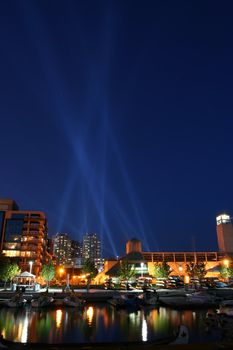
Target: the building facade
(224, 233)
(144, 262)
(23, 235)
(62, 249)
(67, 252)
(76, 253)
(91, 248)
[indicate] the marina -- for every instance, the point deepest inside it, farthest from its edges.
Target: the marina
(112, 317)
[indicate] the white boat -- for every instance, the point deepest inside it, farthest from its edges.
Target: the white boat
(124, 301)
(42, 301)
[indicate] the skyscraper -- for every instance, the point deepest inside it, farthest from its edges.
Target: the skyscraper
(62, 249)
(91, 247)
(23, 235)
(67, 252)
(224, 233)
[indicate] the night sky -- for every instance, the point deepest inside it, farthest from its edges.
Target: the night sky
(116, 117)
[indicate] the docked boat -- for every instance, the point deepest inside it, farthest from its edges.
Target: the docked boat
(57, 302)
(194, 300)
(172, 292)
(226, 307)
(16, 301)
(124, 301)
(42, 301)
(74, 301)
(149, 298)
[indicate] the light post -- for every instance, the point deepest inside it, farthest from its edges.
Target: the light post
(61, 271)
(142, 265)
(30, 264)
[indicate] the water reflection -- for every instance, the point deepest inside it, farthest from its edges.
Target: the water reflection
(90, 314)
(98, 323)
(144, 330)
(24, 334)
(58, 318)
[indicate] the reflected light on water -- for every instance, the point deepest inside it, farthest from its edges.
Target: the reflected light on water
(58, 318)
(24, 336)
(144, 330)
(90, 314)
(4, 333)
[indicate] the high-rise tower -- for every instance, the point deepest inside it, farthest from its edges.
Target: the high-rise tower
(91, 247)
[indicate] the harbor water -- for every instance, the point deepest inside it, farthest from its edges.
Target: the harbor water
(101, 323)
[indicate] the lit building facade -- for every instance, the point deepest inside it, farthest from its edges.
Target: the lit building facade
(62, 249)
(23, 235)
(224, 233)
(76, 253)
(67, 252)
(91, 248)
(133, 245)
(144, 262)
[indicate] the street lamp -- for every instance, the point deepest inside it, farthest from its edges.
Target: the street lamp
(30, 264)
(142, 265)
(226, 263)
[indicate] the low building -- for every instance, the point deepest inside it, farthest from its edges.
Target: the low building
(144, 262)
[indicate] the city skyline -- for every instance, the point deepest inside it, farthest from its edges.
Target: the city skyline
(116, 118)
(7, 203)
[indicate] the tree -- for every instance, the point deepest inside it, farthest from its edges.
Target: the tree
(90, 270)
(8, 270)
(226, 272)
(48, 273)
(127, 270)
(161, 270)
(196, 270)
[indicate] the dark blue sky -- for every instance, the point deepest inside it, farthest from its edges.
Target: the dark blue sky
(116, 118)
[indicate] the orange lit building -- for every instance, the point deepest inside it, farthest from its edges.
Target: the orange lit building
(144, 261)
(23, 236)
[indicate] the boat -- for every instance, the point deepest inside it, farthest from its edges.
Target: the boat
(42, 301)
(57, 302)
(124, 301)
(73, 301)
(226, 308)
(179, 337)
(172, 292)
(149, 297)
(16, 301)
(195, 300)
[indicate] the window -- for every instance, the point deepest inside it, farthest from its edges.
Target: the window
(13, 228)
(2, 214)
(19, 216)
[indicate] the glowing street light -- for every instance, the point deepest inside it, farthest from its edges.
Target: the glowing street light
(226, 263)
(142, 265)
(61, 271)
(30, 264)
